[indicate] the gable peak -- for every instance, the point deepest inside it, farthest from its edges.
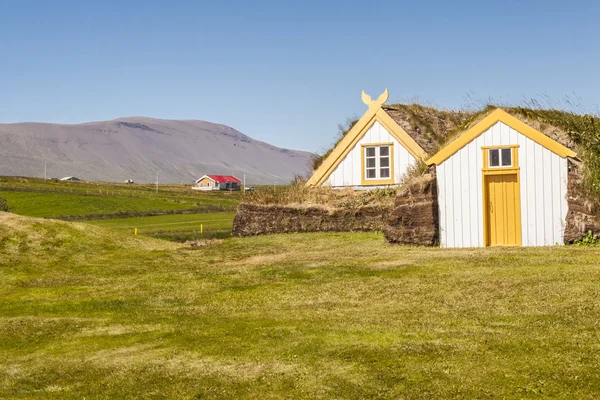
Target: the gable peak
(383, 97)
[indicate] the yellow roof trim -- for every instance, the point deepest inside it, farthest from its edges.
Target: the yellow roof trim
(500, 115)
(374, 113)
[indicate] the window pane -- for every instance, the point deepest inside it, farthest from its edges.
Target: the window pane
(370, 163)
(384, 162)
(494, 158)
(370, 173)
(370, 151)
(384, 151)
(507, 157)
(385, 172)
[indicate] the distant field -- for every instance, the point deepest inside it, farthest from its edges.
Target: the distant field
(173, 226)
(59, 204)
(124, 207)
(91, 313)
(170, 193)
(39, 198)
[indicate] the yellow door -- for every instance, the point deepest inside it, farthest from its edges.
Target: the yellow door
(503, 214)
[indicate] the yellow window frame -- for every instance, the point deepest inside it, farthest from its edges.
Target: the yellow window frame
(375, 182)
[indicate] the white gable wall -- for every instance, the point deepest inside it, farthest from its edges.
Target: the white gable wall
(348, 172)
(543, 191)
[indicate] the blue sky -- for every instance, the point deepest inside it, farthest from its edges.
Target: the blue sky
(288, 72)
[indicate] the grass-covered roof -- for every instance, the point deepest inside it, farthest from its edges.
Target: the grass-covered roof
(434, 128)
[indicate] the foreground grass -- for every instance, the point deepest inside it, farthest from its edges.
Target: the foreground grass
(91, 313)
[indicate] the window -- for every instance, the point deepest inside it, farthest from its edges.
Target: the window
(378, 162)
(500, 158)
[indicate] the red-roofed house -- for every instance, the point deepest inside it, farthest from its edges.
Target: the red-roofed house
(218, 182)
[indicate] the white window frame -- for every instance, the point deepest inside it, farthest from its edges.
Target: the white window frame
(378, 167)
(501, 151)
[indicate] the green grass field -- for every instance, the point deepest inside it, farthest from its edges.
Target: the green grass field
(36, 197)
(124, 207)
(88, 312)
(170, 225)
(178, 192)
(36, 204)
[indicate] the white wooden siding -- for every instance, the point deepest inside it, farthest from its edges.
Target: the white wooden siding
(543, 191)
(348, 172)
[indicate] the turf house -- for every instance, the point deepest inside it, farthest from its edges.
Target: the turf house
(502, 183)
(514, 176)
(375, 152)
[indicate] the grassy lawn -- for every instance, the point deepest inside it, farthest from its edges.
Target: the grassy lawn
(88, 312)
(88, 187)
(39, 198)
(60, 204)
(165, 226)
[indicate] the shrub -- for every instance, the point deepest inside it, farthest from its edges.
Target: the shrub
(3, 205)
(589, 240)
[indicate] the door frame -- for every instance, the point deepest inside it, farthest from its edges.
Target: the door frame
(486, 171)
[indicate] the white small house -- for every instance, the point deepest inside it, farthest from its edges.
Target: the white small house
(376, 152)
(70, 179)
(217, 182)
(502, 183)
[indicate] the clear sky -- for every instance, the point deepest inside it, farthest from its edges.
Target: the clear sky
(288, 72)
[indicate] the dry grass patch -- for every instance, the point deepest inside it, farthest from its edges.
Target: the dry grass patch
(298, 195)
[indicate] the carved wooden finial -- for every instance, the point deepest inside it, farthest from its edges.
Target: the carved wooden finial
(380, 100)
(366, 98)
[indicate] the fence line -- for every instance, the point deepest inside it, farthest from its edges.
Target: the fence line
(165, 224)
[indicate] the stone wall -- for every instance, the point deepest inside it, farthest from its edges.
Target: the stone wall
(253, 219)
(582, 216)
(414, 220)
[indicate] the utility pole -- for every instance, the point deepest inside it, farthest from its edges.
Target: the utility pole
(45, 171)
(244, 182)
(157, 181)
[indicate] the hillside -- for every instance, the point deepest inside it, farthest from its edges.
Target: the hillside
(90, 313)
(136, 148)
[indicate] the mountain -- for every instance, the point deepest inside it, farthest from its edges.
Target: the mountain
(136, 148)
